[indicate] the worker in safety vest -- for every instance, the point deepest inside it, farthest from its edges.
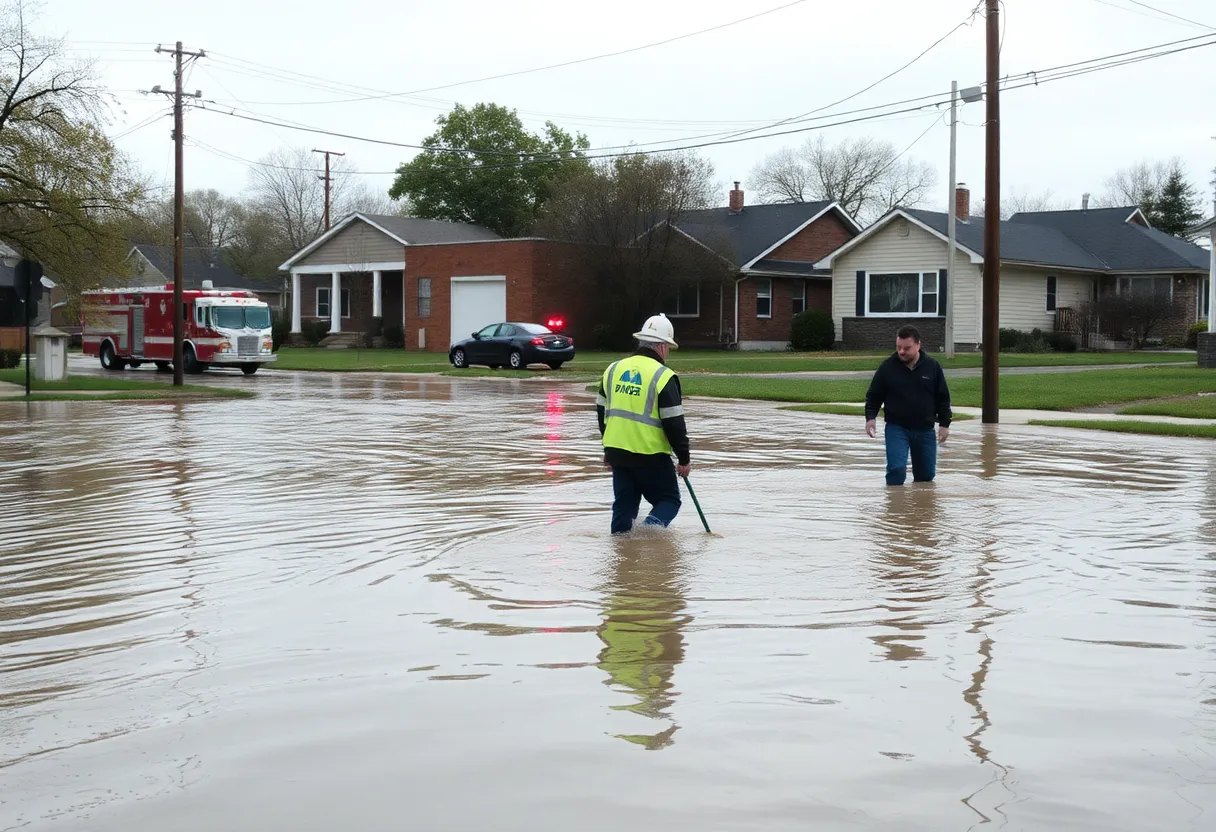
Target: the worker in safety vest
(641, 416)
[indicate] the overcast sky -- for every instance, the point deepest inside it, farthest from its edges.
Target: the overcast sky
(1066, 137)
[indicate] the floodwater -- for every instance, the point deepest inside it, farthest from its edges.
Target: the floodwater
(391, 603)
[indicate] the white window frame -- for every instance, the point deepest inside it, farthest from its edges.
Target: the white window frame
(920, 295)
(1052, 301)
(799, 294)
(328, 311)
(1132, 277)
(426, 297)
(679, 313)
(1202, 310)
(767, 293)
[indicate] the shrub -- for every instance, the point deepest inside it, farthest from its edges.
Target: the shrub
(1062, 341)
(280, 328)
(1010, 339)
(1192, 334)
(314, 331)
(812, 330)
(10, 359)
(394, 336)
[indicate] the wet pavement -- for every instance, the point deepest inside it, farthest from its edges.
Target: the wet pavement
(391, 602)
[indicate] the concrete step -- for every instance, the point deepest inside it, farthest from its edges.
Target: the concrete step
(342, 340)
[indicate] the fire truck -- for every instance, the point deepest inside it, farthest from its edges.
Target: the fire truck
(134, 326)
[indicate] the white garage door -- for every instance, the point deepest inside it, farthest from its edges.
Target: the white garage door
(477, 302)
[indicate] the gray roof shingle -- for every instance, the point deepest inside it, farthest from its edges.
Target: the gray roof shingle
(745, 236)
(1096, 240)
(199, 264)
(420, 232)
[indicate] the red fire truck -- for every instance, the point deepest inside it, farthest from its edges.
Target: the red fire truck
(220, 327)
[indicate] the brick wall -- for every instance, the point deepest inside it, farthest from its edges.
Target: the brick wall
(816, 241)
(1207, 350)
(879, 333)
(543, 278)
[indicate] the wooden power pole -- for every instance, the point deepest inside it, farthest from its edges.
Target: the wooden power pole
(179, 201)
(991, 334)
(327, 153)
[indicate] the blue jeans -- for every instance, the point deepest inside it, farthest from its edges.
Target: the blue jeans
(922, 444)
(657, 483)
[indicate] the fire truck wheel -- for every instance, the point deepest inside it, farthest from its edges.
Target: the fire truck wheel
(163, 366)
(190, 363)
(249, 369)
(109, 360)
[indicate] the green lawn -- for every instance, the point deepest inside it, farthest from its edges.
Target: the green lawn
(1201, 408)
(1129, 426)
(850, 410)
(102, 388)
(697, 361)
(1045, 391)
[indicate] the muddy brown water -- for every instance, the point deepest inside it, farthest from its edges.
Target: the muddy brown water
(389, 602)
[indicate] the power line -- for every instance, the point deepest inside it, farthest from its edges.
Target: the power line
(1032, 78)
(568, 63)
(1175, 16)
(1142, 14)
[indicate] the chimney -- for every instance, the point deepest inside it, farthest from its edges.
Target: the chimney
(962, 202)
(736, 200)
(1084, 202)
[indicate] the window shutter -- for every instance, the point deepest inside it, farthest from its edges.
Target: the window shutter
(861, 295)
(941, 293)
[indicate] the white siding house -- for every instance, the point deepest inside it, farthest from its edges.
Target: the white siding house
(895, 272)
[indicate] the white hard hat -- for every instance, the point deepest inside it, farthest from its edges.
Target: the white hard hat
(657, 330)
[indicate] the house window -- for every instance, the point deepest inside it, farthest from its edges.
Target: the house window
(764, 298)
(1152, 286)
(799, 296)
(323, 310)
(1051, 293)
(683, 301)
(424, 297)
(1205, 297)
(901, 293)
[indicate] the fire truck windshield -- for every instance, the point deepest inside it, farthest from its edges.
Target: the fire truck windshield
(237, 317)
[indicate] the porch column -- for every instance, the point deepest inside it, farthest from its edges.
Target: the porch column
(377, 301)
(1212, 281)
(295, 303)
(335, 303)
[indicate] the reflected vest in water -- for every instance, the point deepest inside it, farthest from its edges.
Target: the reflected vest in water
(631, 414)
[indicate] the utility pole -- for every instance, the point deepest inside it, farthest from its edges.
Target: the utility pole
(992, 224)
(327, 153)
(179, 201)
(951, 219)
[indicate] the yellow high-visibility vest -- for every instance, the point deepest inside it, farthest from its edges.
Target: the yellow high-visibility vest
(631, 405)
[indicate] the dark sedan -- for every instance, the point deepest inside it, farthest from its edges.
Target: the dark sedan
(513, 345)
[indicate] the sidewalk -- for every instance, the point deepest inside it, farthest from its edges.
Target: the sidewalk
(10, 391)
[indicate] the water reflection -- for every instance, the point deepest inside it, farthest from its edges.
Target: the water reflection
(642, 627)
(908, 559)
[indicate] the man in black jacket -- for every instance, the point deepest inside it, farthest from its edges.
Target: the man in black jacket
(910, 388)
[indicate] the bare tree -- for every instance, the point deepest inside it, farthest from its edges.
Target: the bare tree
(1023, 202)
(212, 219)
(866, 176)
(1140, 184)
(624, 214)
(66, 193)
(288, 184)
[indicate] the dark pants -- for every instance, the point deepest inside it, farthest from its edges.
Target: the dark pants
(656, 482)
(921, 443)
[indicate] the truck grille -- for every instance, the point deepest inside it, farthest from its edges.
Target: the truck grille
(247, 345)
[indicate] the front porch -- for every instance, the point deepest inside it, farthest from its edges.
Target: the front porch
(366, 301)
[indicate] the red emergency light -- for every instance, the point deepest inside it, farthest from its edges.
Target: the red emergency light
(555, 324)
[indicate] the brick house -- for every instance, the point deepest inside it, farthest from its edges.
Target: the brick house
(354, 272)
(1053, 263)
(774, 249)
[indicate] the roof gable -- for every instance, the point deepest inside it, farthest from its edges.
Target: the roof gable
(747, 236)
(408, 231)
(199, 264)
